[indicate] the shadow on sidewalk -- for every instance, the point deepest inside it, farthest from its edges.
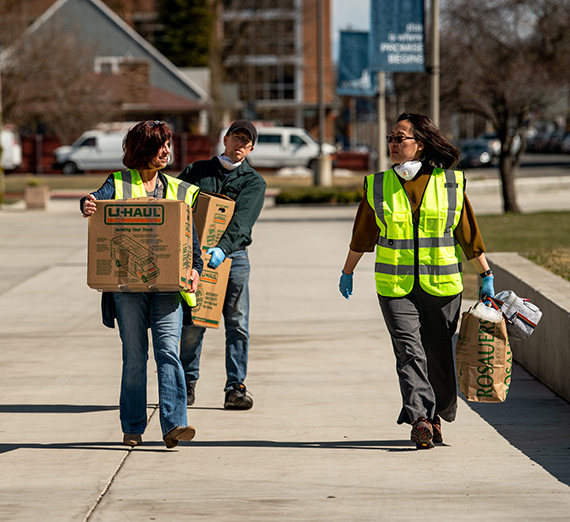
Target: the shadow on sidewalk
(53, 408)
(158, 446)
(382, 445)
(534, 420)
(106, 446)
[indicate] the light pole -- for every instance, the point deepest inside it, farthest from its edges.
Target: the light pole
(434, 77)
(382, 160)
(2, 179)
(323, 170)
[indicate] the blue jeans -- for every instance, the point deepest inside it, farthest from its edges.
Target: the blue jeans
(162, 312)
(236, 323)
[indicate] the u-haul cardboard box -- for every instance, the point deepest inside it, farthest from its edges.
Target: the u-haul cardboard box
(140, 245)
(212, 215)
(211, 294)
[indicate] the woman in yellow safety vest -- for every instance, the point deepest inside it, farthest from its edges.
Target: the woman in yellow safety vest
(419, 219)
(146, 151)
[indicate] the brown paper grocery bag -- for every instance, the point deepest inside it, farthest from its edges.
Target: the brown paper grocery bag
(484, 359)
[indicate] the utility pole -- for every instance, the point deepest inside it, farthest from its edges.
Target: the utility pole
(323, 170)
(434, 76)
(382, 161)
(2, 178)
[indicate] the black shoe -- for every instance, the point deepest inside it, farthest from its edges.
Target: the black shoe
(190, 393)
(237, 398)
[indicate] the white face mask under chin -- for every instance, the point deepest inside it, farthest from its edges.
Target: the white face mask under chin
(227, 163)
(408, 169)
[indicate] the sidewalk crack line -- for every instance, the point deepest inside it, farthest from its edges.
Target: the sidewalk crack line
(113, 476)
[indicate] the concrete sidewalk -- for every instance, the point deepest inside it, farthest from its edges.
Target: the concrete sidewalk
(321, 442)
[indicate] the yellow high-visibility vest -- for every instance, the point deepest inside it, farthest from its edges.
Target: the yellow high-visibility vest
(129, 184)
(426, 250)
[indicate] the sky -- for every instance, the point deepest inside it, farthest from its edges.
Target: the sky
(348, 14)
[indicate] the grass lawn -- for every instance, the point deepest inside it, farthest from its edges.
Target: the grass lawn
(542, 237)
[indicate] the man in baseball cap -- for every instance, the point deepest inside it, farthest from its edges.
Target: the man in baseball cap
(243, 125)
(228, 174)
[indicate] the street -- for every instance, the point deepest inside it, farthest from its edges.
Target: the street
(532, 165)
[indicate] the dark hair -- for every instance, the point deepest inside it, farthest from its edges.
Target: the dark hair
(142, 143)
(438, 150)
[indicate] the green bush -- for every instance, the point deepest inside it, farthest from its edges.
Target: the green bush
(318, 195)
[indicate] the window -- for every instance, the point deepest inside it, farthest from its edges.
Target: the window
(88, 142)
(268, 138)
(107, 65)
(297, 140)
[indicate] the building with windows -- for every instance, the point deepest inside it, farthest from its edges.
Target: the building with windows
(269, 51)
(268, 57)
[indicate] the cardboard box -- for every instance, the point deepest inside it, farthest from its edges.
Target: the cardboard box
(140, 245)
(212, 215)
(211, 294)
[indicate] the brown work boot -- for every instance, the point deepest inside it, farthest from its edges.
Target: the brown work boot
(436, 425)
(422, 433)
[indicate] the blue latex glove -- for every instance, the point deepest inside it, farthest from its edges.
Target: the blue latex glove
(487, 287)
(345, 285)
(218, 255)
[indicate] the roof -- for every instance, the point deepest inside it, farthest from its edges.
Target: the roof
(96, 24)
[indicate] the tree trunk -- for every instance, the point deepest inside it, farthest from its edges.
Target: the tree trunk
(2, 182)
(2, 178)
(507, 171)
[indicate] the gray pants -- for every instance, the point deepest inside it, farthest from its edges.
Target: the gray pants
(422, 327)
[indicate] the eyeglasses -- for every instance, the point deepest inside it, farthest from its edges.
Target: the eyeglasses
(399, 139)
(154, 123)
(242, 140)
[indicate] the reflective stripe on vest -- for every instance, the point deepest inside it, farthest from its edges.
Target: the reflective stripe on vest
(428, 251)
(128, 185)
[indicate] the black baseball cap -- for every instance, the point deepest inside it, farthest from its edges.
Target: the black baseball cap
(243, 125)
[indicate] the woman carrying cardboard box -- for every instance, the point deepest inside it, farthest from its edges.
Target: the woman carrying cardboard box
(146, 151)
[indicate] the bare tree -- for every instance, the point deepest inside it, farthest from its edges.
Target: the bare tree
(48, 79)
(505, 60)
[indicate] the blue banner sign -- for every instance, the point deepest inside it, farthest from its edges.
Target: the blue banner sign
(354, 75)
(397, 41)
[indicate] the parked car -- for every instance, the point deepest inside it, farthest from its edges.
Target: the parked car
(475, 153)
(539, 141)
(278, 147)
(11, 148)
(93, 150)
(493, 142)
(566, 144)
(555, 141)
